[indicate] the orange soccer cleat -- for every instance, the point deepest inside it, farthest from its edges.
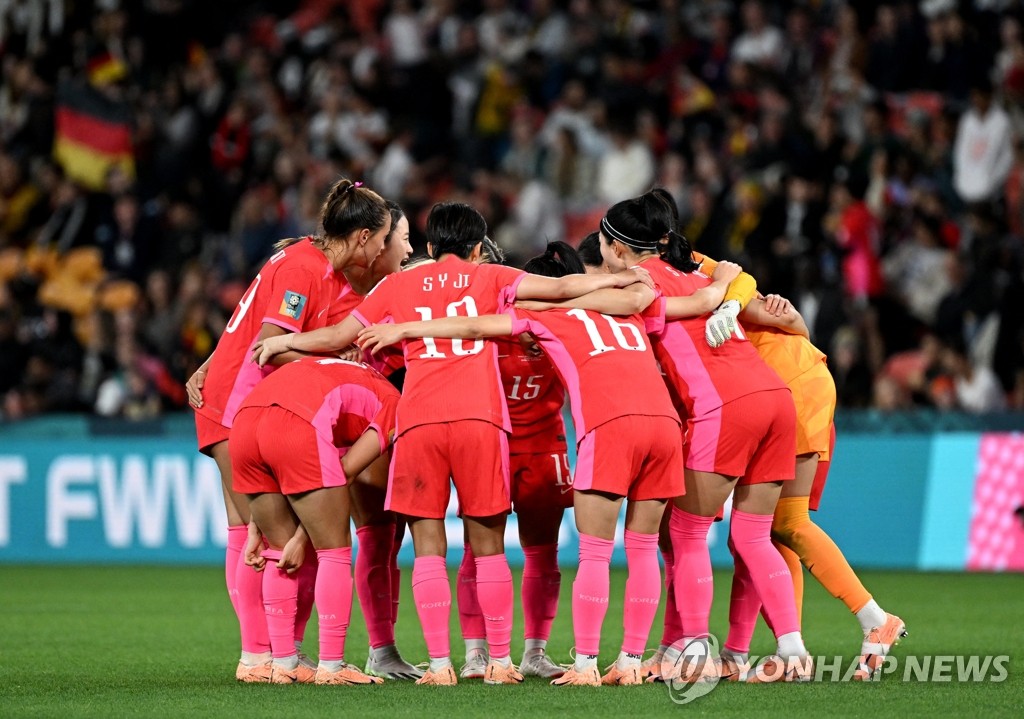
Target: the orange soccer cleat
(876, 646)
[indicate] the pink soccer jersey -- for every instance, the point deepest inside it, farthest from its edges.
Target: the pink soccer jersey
(340, 399)
(535, 397)
(606, 364)
(446, 380)
(294, 291)
(701, 378)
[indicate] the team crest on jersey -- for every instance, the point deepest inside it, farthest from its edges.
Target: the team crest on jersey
(292, 305)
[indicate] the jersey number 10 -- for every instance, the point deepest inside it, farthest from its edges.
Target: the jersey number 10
(459, 349)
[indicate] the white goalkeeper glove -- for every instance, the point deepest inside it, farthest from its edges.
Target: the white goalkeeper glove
(722, 325)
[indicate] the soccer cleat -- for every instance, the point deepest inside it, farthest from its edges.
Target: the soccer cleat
(307, 662)
(687, 671)
(622, 677)
(777, 669)
(347, 675)
(539, 664)
(301, 674)
(441, 678)
(651, 666)
(877, 644)
(501, 674)
(475, 666)
(573, 677)
(731, 670)
(391, 667)
(255, 674)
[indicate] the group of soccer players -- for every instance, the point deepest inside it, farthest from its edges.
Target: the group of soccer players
(685, 387)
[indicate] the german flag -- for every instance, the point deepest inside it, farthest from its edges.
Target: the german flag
(93, 134)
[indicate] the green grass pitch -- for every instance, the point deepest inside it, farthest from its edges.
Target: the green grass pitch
(153, 641)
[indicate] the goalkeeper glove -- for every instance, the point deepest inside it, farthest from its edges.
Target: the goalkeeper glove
(722, 325)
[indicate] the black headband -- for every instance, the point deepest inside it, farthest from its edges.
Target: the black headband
(610, 231)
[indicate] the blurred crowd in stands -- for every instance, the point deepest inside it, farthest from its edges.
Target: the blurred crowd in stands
(864, 159)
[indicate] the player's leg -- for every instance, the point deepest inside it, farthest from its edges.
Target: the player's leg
(643, 588)
(596, 516)
(480, 473)
(273, 515)
(672, 630)
(471, 617)
(433, 596)
(539, 499)
(793, 528)
(375, 530)
(692, 517)
(325, 515)
(254, 663)
(419, 487)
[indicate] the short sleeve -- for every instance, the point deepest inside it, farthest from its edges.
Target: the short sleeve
(506, 281)
(377, 305)
(520, 320)
(294, 300)
(654, 316)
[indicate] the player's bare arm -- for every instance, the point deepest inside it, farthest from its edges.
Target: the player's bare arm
(623, 302)
(377, 337)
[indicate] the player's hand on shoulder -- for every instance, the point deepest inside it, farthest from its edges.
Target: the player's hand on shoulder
(266, 349)
(777, 305)
(726, 271)
(374, 338)
(632, 276)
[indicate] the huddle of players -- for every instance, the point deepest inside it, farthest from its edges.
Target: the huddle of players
(631, 342)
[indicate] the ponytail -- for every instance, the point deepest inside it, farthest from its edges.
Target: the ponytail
(675, 249)
(558, 260)
(349, 207)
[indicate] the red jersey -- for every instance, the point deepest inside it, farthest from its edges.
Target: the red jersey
(535, 397)
(606, 364)
(340, 399)
(294, 291)
(346, 300)
(446, 380)
(702, 379)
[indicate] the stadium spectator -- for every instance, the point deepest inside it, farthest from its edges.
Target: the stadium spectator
(769, 123)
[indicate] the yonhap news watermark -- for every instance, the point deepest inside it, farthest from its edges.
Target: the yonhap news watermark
(937, 669)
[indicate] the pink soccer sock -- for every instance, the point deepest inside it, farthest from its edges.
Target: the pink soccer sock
(237, 537)
(433, 597)
(373, 581)
(694, 588)
(541, 583)
(751, 536)
(307, 592)
(280, 600)
(252, 616)
(396, 579)
(673, 629)
(643, 590)
(333, 600)
(471, 619)
(590, 593)
(744, 605)
(494, 591)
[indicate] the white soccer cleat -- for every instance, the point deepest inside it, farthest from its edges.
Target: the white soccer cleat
(539, 664)
(390, 665)
(475, 666)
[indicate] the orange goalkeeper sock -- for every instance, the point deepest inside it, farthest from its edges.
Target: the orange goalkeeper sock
(793, 527)
(796, 571)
